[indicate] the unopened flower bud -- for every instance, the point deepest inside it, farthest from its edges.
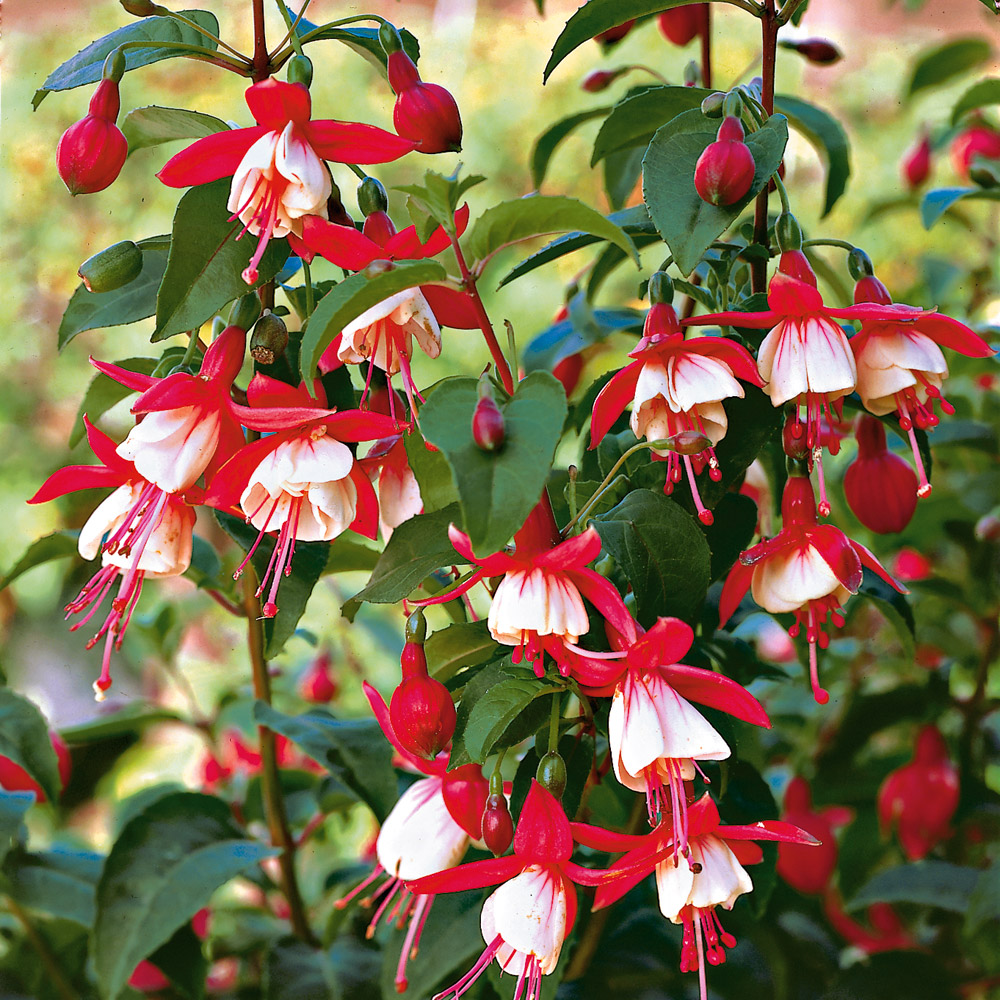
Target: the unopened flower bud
(599, 79)
(415, 630)
(91, 152)
(787, 232)
(269, 339)
(816, 50)
(245, 311)
(425, 113)
(860, 264)
(551, 773)
(114, 66)
(498, 826)
(318, 683)
(793, 438)
(711, 107)
(372, 197)
(300, 70)
(979, 140)
(661, 289)
(377, 267)
(140, 8)
(725, 170)
(615, 34)
(488, 429)
(692, 74)
(682, 24)
(732, 106)
(916, 163)
(988, 528)
(879, 486)
(111, 268)
(688, 442)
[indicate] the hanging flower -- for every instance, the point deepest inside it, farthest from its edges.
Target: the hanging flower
(277, 165)
(809, 869)
(807, 568)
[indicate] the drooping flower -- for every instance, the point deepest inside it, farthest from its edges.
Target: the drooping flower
(919, 799)
(14, 778)
(301, 481)
(676, 388)
(140, 530)
(979, 139)
(900, 365)
(277, 166)
(538, 606)
(880, 488)
(807, 568)
(427, 831)
(808, 869)
(683, 24)
(691, 886)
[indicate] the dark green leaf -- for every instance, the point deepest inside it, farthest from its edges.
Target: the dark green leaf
(506, 714)
(182, 961)
(354, 751)
(940, 64)
(827, 137)
(497, 490)
(205, 564)
(85, 67)
(431, 471)
(294, 591)
(613, 494)
(549, 140)
(132, 302)
(353, 296)
(895, 974)
(621, 174)
(350, 555)
(577, 752)
(56, 883)
(661, 550)
(104, 392)
(58, 545)
(13, 806)
(153, 125)
(163, 868)
(984, 901)
(929, 883)
(978, 95)
(464, 644)
(687, 224)
(481, 682)
(364, 41)
(127, 721)
(207, 260)
(294, 971)
(24, 738)
(731, 532)
(417, 548)
(633, 121)
(894, 606)
(434, 202)
(940, 200)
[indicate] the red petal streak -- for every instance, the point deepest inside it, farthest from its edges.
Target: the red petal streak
(275, 104)
(716, 691)
(134, 380)
(210, 158)
(543, 831)
(366, 520)
(349, 142)
(476, 875)
(451, 307)
(341, 245)
(789, 296)
(868, 559)
(733, 591)
(591, 876)
(612, 400)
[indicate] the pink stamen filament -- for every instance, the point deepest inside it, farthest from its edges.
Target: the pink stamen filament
(463, 985)
(924, 487)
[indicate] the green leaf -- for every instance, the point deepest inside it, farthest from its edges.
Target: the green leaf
(506, 714)
(435, 201)
(182, 961)
(549, 140)
(732, 531)
(940, 64)
(56, 883)
(634, 221)
(895, 607)
(576, 751)
(24, 738)
(935, 203)
(417, 548)
(85, 67)
(13, 806)
(134, 301)
(164, 867)
(58, 545)
(687, 224)
(984, 901)
(431, 471)
(207, 260)
(596, 16)
(464, 644)
(349, 554)
(978, 95)
(153, 125)
(104, 392)
(621, 174)
(128, 721)
(294, 591)
(364, 41)
(353, 750)
(661, 550)
(353, 296)
(634, 120)
(928, 883)
(827, 137)
(477, 687)
(497, 490)
(540, 215)
(294, 971)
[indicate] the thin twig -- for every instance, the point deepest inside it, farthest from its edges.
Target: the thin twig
(45, 953)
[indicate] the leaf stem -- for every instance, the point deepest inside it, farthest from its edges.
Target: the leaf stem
(788, 10)
(45, 953)
(191, 352)
(843, 244)
(769, 37)
(310, 294)
(554, 724)
(177, 16)
(291, 25)
(242, 67)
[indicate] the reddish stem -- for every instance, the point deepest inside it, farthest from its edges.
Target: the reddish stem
(261, 60)
(706, 49)
(769, 36)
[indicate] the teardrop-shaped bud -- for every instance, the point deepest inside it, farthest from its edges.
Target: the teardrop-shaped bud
(488, 429)
(498, 826)
(551, 773)
(269, 339)
(682, 24)
(879, 486)
(318, 683)
(816, 50)
(711, 107)
(422, 715)
(111, 268)
(300, 70)
(372, 197)
(688, 443)
(916, 163)
(91, 152)
(725, 170)
(615, 34)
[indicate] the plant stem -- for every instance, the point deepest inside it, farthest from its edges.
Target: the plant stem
(484, 321)
(290, 24)
(261, 60)
(554, 724)
(274, 804)
(45, 954)
(788, 10)
(191, 352)
(194, 52)
(706, 49)
(769, 36)
(843, 244)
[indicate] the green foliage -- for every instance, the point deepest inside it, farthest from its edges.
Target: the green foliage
(58, 545)
(550, 139)
(940, 64)
(927, 883)
(152, 126)
(978, 95)
(24, 738)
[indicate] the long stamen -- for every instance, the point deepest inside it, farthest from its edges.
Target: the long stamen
(704, 515)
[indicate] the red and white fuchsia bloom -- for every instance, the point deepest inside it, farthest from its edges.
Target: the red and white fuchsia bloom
(808, 869)
(427, 831)
(900, 364)
(301, 481)
(676, 388)
(538, 606)
(139, 531)
(277, 165)
(690, 886)
(807, 568)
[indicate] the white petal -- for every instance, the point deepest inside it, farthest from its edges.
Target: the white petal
(529, 912)
(722, 878)
(829, 360)
(789, 580)
(695, 379)
(172, 448)
(310, 183)
(107, 517)
(674, 882)
(536, 601)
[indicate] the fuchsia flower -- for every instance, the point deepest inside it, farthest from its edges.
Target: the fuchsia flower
(427, 113)
(140, 530)
(526, 921)
(920, 798)
(301, 481)
(277, 165)
(691, 885)
(676, 388)
(807, 568)
(900, 365)
(384, 334)
(880, 488)
(809, 868)
(427, 831)
(92, 151)
(538, 606)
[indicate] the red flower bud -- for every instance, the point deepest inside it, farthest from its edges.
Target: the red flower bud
(488, 425)
(498, 827)
(808, 869)
(880, 487)
(724, 172)
(424, 112)
(979, 140)
(14, 778)
(793, 438)
(682, 24)
(816, 50)
(920, 798)
(91, 152)
(911, 565)
(916, 163)
(318, 684)
(599, 80)
(615, 34)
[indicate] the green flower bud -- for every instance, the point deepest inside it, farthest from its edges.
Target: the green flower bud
(732, 105)
(661, 289)
(860, 264)
(389, 38)
(245, 311)
(300, 70)
(787, 232)
(114, 66)
(551, 773)
(416, 627)
(269, 339)
(111, 268)
(711, 107)
(372, 197)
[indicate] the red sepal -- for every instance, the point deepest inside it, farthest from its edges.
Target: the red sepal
(574, 553)
(381, 712)
(341, 245)
(612, 400)
(351, 142)
(451, 307)
(738, 358)
(475, 875)
(134, 380)
(838, 553)
(606, 840)
(666, 642)
(465, 792)
(543, 832)
(366, 521)
(275, 104)
(767, 829)
(716, 691)
(208, 159)
(950, 333)
(603, 595)
(868, 559)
